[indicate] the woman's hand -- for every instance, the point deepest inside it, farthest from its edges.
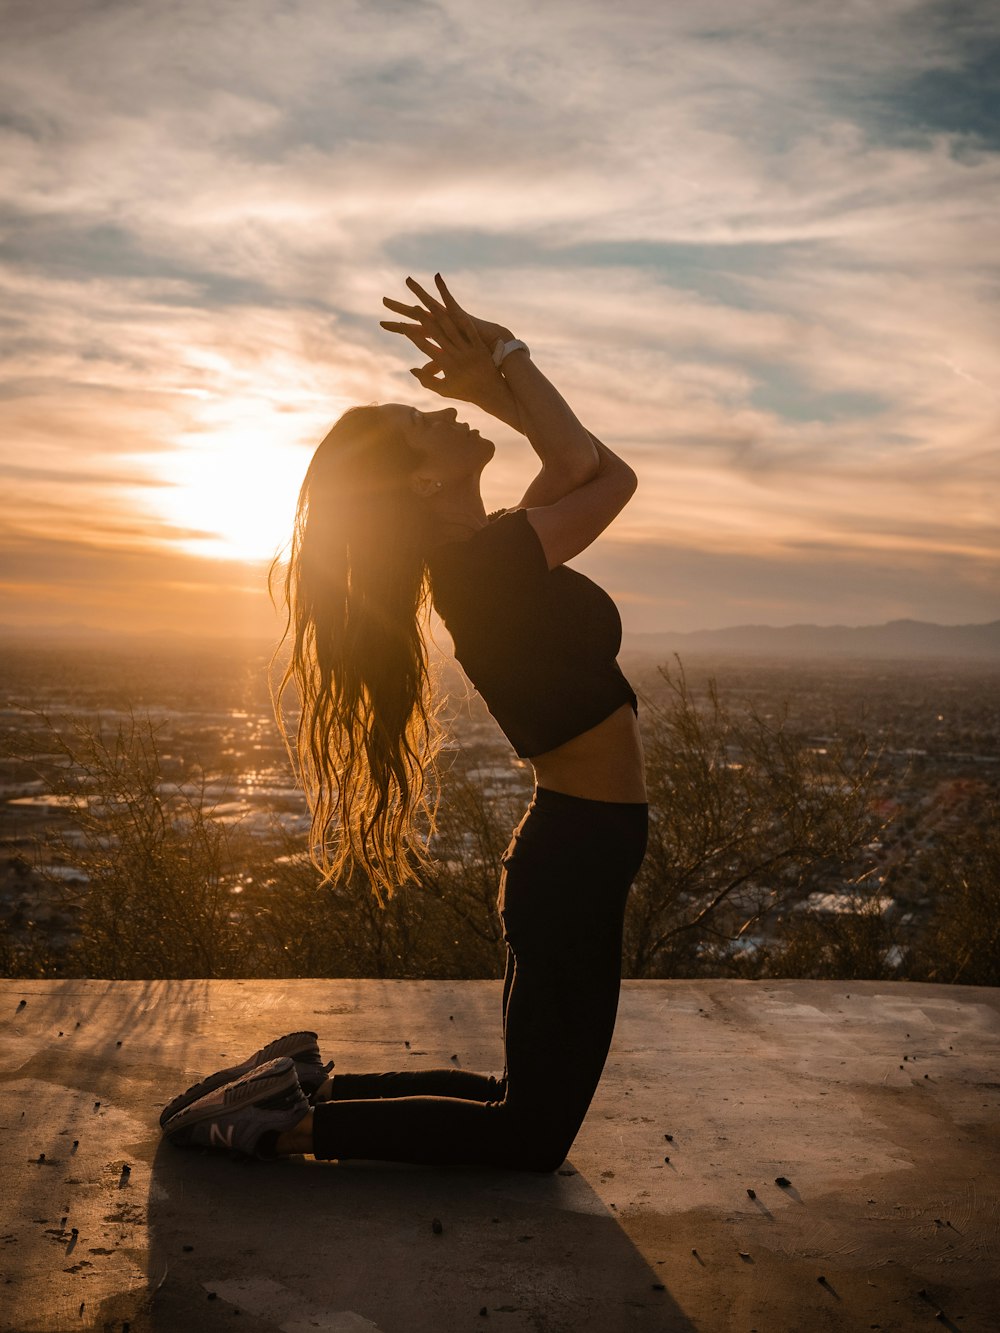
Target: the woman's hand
(459, 348)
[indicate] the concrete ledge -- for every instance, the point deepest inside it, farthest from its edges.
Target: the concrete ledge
(880, 1104)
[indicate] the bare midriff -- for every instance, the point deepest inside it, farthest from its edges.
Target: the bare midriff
(602, 764)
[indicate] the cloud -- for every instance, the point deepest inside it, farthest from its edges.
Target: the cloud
(755, 246)
(48, 581)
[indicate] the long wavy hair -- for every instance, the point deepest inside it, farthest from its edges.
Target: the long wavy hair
(356, 592)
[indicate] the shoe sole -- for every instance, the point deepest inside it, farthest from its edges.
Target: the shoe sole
(269, 1081)
(293, 1045)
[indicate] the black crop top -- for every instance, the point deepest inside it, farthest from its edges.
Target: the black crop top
(538, 644)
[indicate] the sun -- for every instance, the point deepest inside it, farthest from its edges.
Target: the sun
(229, 492)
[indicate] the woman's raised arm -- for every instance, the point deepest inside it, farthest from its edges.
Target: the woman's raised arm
(460, 366)
(566, 526)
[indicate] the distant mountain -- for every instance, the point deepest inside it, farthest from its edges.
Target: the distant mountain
(911, 639)
(899, 639)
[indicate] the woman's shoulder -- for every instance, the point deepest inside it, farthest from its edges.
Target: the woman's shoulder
(506, 547)
(508, 532)
(501, 526)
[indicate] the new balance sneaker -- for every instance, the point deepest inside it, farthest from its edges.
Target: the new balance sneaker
(302, 1047)
(265, 1101)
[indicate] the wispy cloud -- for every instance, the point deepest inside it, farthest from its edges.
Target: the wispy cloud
(755, 245)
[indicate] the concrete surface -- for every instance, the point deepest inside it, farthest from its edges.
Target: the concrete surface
(878, 1102)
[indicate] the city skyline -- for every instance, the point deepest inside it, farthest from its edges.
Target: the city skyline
(755, 248)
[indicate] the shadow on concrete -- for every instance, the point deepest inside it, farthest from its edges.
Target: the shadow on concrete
(891, 1218)
(300, 1244)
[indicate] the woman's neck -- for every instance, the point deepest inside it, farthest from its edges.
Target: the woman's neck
(456, 515)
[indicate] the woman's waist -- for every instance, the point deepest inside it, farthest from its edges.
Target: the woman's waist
(604, 763)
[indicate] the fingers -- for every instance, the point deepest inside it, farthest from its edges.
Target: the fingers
(443, 316)
(451, 329)
(426, 375)
(434, 306)
(410, 311)
(452, 305)
(461, 319)
(415, 335)
(442, 287)
(435, 320)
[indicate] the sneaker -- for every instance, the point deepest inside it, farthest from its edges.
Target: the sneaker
(302, 1047)
(267, 1100)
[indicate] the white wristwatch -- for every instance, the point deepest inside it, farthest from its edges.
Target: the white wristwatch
(502, 350)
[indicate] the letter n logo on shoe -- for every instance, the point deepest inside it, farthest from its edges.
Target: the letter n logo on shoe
(218, 1138)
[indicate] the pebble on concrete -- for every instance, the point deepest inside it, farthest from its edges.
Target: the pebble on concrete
(782, 1181)
(751, 1194)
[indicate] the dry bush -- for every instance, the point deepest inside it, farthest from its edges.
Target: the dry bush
(859, 943)
(744, 819)
(961, 943)
(158, 899)
(444, 926)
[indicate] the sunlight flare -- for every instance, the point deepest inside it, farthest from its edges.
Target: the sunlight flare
(233, 489)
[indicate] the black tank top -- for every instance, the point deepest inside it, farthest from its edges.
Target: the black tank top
(538, 644)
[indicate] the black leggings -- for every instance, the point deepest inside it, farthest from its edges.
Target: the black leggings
(566, 877)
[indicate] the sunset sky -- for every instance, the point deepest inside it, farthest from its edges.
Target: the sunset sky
(754, 243)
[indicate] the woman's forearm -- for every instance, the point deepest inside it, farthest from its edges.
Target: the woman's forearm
(563, 445)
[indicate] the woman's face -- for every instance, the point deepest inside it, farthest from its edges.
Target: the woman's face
(448, 450)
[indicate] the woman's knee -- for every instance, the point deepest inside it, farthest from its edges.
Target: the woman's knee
(546, 1158)
(535, 1146)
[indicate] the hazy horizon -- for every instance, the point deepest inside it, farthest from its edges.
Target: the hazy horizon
(70, 631)
(755, 247)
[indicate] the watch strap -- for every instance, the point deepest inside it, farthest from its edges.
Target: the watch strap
(502, 350)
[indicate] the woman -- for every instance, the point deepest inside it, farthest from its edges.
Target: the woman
(390, 507)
